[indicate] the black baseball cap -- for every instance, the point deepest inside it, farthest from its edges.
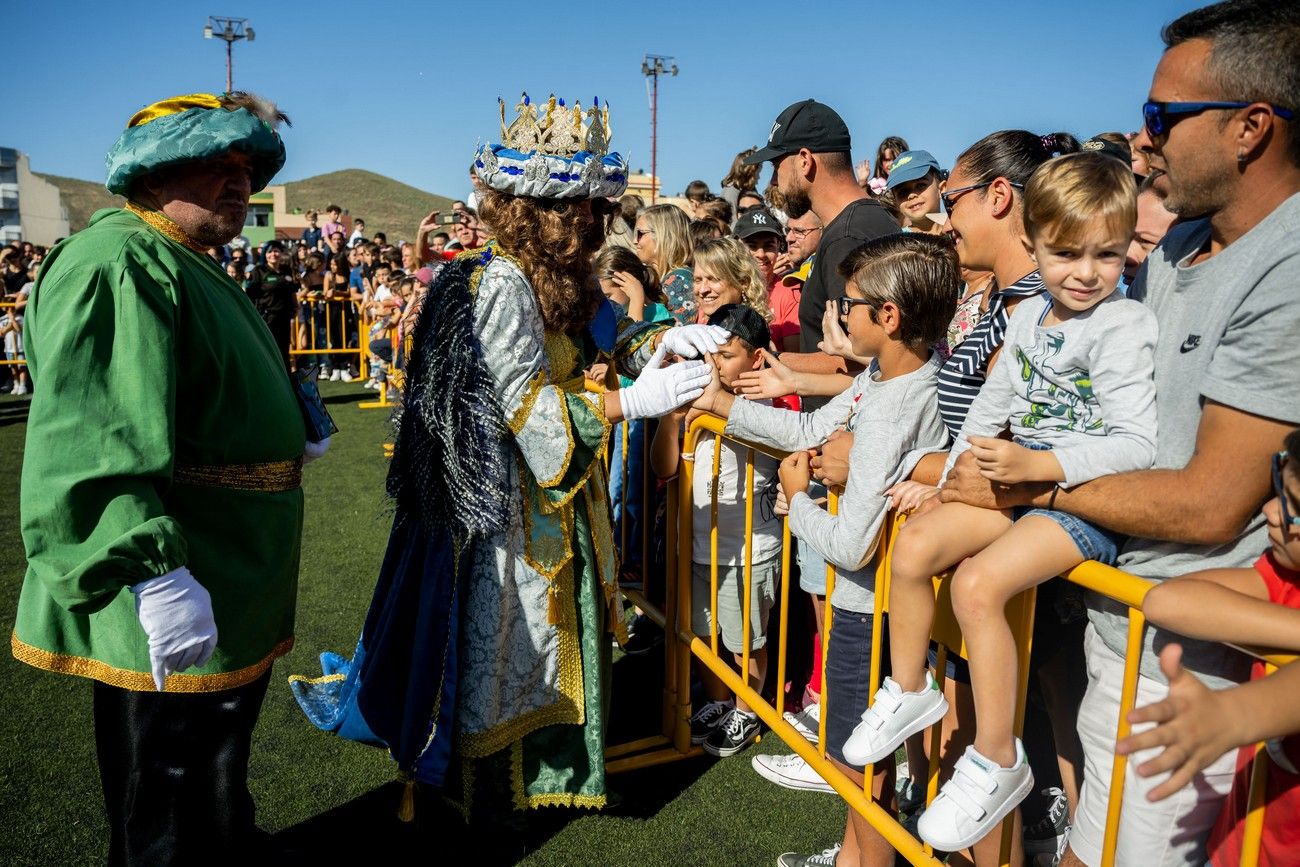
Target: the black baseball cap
(756, 221)
(807, 124)
(743, 322)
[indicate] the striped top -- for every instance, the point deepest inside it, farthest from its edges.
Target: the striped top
(962, 375)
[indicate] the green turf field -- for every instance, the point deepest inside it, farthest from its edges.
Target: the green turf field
(332, 799)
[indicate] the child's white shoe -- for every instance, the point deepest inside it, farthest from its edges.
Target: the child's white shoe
(894, 716)
(972, 803)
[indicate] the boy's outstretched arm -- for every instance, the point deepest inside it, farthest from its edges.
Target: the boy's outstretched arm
(1196, 725)
(1229, 605)
(666, 448)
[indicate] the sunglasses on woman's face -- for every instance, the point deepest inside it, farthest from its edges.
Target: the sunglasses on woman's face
(641, 233)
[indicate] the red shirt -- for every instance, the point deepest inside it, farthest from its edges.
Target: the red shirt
(1280, 842)
(784, 301)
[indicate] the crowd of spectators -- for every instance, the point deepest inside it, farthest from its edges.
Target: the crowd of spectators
(811, 280)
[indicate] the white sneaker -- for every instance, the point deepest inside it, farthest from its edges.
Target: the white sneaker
(336, 376)
(346, 376)
(370, 383)
(893, 717)
(791, 772)
(970, 805)
(324, 374)
(806, 722)
(20, 389)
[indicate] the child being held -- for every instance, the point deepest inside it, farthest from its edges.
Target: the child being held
(1074, 387)
(723, 729)
(901, 292)
(1260, 607)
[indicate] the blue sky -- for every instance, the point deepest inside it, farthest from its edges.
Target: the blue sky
(406, 91)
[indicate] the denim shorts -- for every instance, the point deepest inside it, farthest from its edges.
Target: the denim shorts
(812, 568)
(1093, 543)
(846, 685)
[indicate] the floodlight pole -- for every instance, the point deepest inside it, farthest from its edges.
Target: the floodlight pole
(229, 30)
(654, 65)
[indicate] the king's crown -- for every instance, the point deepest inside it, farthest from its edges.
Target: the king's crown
(560, 130)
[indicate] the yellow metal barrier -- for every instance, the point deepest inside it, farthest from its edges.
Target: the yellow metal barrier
(337, 313)
(19, 362)
(674, 743)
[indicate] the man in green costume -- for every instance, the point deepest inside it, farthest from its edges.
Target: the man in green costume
(161, 492)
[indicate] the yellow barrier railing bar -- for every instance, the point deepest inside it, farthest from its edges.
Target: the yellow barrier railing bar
(1108, 581)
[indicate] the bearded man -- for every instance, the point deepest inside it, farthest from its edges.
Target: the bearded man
(161, 498)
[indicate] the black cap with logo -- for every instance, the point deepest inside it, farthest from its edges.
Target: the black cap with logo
(807, 124)
(756, 221)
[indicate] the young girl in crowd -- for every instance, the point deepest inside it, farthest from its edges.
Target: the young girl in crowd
(662, 241)
(913, 186)
(626, 281)
(1075, 389)
(1259, 607)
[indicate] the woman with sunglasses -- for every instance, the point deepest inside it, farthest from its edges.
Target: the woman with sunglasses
(662, 240)
(1257, 607)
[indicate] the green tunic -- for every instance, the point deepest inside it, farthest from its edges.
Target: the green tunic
(163, 433)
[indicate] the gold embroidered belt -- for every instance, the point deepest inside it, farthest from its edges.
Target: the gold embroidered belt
(272, 477)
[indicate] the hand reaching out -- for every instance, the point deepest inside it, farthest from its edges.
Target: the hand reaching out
(771, 381)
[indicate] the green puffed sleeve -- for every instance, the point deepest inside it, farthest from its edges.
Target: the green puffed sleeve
(102, 351)
(636, 344)
(558, 424)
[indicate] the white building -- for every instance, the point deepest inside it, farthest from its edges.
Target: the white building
(31, 208)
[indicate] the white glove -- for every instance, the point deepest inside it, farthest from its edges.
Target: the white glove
(692, 341)
(176, 613)
(311, 451)
(659, 390)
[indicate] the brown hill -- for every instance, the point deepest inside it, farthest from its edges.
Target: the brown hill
(82, 198)
(386, 205)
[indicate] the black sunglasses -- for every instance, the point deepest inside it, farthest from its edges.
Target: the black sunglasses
(845, 304)
(949, 197)
(1158, 117)
(1288, 519)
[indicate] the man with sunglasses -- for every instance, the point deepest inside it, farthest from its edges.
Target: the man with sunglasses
(1224, 152)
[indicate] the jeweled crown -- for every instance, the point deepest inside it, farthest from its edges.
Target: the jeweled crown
(561, 130)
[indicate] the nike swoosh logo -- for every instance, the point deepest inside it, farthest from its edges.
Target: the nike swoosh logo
(1192, 341)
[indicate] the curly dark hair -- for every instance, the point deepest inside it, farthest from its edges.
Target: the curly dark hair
(554, 241)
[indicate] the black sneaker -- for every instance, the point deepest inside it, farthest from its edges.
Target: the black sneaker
(1045, 840)
(737, 731)
(643, 636)
(708, 718)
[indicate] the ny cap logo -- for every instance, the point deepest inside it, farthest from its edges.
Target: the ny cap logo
(772, 134)
(760, 219)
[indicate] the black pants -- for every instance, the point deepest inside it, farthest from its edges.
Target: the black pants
(174, 768)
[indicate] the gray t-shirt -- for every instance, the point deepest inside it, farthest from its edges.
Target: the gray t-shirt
(894, 423)
(1082, 386)
(1230, 333)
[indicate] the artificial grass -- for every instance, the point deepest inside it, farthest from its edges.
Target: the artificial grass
(333, 799)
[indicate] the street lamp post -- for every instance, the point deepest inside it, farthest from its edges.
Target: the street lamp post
(230, 30)
(652, 66)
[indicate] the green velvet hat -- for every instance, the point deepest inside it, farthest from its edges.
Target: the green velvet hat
(191, 128)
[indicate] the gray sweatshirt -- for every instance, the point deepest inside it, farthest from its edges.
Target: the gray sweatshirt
(894, 423)
(1084, 387)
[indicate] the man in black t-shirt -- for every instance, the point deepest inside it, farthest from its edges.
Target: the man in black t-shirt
(273, 290)
(809, 151)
